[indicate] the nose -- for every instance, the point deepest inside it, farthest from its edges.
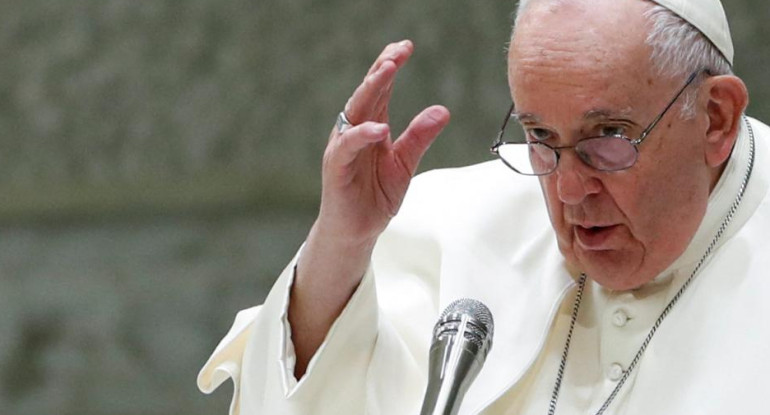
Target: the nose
(575, 180)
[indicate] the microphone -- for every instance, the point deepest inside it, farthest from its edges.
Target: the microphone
(462, 339)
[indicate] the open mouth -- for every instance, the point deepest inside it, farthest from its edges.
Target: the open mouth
(594, 237)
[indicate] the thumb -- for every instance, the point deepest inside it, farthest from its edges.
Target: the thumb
(418, 136)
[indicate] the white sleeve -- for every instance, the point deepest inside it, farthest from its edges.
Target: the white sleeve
(374, 358)
(258, 354)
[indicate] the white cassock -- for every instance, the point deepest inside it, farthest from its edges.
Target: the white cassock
(483, 232)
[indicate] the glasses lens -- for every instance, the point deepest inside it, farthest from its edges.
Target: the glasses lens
(607, 153)
(530, 159)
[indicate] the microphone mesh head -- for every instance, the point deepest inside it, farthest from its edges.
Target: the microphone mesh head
(473, 308)
(480, 324)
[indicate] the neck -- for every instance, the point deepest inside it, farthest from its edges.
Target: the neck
(716, 174)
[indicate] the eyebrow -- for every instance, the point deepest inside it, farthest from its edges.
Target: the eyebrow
(525, 117)
(611, 115)
(590, 115)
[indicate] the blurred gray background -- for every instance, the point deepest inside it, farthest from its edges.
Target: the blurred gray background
(159, 165)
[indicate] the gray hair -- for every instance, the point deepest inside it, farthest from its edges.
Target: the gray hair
(678, 49)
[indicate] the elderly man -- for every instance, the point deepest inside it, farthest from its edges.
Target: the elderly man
(645, 295)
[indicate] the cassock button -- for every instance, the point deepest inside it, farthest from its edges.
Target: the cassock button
(619, 318)
(615, 372)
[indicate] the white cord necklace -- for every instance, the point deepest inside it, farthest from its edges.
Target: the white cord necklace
(635, 361)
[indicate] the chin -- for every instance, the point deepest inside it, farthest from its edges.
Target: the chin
(614, 270)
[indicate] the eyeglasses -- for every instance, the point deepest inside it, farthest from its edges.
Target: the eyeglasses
(605, 153)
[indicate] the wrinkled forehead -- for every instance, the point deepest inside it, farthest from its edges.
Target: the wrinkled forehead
(569, 39)
(566, 60)
(601, 23)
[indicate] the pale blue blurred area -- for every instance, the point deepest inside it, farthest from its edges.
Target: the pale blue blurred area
(159, 166)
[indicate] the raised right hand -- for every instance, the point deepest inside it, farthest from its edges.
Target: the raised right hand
(365, 173)
(365, 176)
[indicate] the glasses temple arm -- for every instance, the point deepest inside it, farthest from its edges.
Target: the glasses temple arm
(655, 122)
(499, 138)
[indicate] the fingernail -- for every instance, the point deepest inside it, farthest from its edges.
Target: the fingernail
(404, 43)
(436, 113)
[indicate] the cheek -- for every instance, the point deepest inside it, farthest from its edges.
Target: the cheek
(641, 203)
(670, 211)
(669, 202)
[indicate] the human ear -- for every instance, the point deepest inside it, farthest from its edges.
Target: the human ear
(727, 98)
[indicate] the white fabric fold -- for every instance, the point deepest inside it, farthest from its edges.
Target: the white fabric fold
(483, 232)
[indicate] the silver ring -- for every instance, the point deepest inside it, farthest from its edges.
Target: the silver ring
(342, 123)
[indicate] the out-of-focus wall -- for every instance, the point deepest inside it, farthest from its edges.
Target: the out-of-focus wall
(159, 166)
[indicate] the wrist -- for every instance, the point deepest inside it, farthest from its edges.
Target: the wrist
(342, 238)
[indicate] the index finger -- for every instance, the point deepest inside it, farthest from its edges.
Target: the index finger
(398, 52)
(368, 99)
